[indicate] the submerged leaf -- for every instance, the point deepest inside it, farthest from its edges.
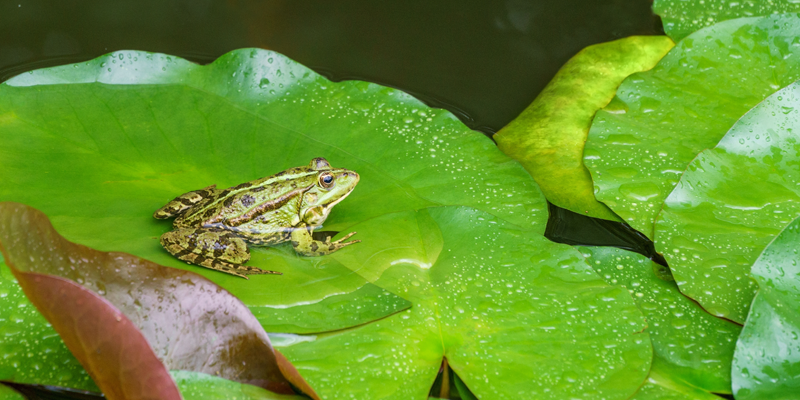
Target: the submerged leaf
(690, 345)
(99, 146)
(662, 385)
(189, 322)
(731, 202)
(767, 360)
(681, 18)
(641, 143)
(548, 137)
(515, 315)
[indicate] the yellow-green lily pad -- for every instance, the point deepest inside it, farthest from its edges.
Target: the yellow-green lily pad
(548, 137)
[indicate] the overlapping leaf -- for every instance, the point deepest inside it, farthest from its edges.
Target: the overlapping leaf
(731, 202)
(548, 137)
(641, 143)
(681, 18)
(516, 316)
(767, 360)
(99, 146)
(125, 318)
(690, 346)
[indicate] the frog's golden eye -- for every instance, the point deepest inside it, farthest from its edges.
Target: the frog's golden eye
(326, 180)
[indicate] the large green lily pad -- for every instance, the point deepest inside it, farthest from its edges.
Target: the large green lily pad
(99, 146)
(548, 137)
(767, 360)
(515, 315)
(682, 17)
(640, 144)
(690, 345)
(731, 202)
(661, 384)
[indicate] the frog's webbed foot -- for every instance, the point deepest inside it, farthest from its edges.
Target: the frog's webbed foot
(217, 250)
(304, 244)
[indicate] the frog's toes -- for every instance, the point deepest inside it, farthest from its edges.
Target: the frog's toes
(348, 236)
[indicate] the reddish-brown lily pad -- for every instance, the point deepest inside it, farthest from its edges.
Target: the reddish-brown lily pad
(189, 322)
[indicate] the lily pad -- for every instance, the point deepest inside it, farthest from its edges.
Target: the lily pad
(99, 146)
(681, 18)
(731, 203)
(515, 315)
(640, 144)
(767, 360)
(200, 386)
(690, 345)
(7, 393)
(662, 385)
(142, 317)
(548, 137)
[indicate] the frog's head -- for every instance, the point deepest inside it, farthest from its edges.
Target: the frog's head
(332, 186)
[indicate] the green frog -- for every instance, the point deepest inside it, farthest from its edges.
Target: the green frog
(212, 226)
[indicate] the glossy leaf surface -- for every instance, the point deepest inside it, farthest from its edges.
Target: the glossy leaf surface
(188, 321)
(767, 360)
(516, 316)
(681, 17)
(661, 384)
(199, 386)
(6, 393)
(690, 345)
(731, 202)
(548, 137)
(31, 350)
(640, 144)
(137, 129)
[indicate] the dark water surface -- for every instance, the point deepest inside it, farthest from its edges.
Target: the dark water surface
(483, 60)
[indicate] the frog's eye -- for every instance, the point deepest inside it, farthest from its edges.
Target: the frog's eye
(326, 180)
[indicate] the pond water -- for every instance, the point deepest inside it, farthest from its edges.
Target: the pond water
(483, 60)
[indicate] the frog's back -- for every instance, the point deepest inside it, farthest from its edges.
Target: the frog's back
(259, 206)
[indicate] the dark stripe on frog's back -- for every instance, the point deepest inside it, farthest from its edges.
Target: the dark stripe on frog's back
(231, 198)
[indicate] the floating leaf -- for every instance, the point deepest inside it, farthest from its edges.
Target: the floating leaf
(682, 17)
(32, 352)
(662, 385)
(6, 393)
(515, 315)
(199, 386)
(641, 143)
(767, 360)
(548, 137)
(99, 146)
(731, 202)
(691, 345)
(189, 322)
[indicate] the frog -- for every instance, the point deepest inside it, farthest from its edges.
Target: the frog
(213, 227)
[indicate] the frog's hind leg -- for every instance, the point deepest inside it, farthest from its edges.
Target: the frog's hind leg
(218, 250)
(183, 202)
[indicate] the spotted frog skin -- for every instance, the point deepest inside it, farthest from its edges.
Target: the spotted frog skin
(212, 227)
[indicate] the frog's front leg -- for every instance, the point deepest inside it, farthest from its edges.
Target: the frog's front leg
(215, 249)
(304, 244)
